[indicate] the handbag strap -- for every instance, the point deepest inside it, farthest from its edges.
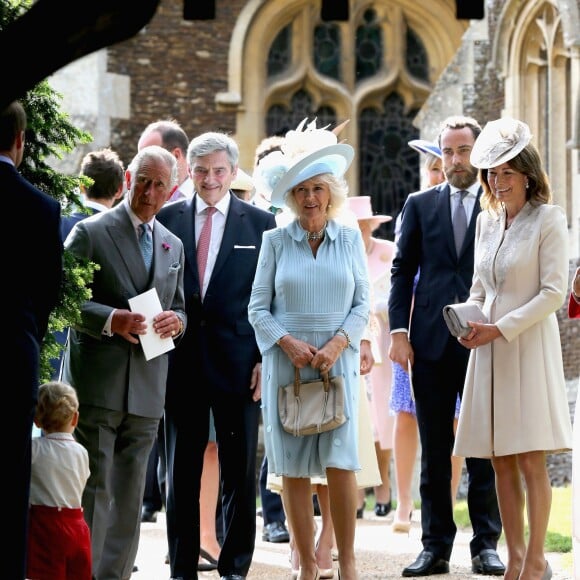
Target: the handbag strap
(298, 381)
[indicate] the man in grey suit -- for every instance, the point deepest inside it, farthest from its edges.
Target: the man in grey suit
(121, 393)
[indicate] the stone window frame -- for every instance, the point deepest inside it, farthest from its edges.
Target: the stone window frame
(250, 92)
(532, 59)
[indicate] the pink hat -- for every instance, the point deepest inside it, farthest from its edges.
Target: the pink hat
(360, 206)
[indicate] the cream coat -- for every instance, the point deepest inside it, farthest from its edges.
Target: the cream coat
(515, 396)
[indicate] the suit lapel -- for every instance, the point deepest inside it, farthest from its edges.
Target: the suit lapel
(124, 238)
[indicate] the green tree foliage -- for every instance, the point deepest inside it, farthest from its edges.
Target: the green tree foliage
(50, 133)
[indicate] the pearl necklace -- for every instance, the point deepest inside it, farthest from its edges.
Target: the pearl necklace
(314, 236)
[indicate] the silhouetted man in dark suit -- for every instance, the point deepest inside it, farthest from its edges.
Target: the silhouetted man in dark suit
(33, 275)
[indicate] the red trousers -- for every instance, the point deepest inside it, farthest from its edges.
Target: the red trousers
(59, 544)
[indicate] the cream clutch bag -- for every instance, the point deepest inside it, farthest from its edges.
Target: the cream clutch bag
(457, 315)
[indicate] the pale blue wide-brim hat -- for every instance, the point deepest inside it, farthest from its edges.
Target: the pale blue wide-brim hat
(422, 146)
(334, 159)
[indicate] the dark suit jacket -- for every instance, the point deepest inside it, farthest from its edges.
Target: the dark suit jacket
(34, 260)
(33, 266)
(68, 222)
(219, 341)
(426, 241)
(110, 372)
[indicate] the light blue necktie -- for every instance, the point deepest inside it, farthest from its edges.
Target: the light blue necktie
(146, 244)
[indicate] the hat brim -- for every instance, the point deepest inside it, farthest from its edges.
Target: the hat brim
(380, 219)
(334, 159)
(499, 142)
(422, 146)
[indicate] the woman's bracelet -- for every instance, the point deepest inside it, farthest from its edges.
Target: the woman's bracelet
(345, 334)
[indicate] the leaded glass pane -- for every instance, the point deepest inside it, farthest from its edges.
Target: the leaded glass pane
(416, 56)
(280, 53)
(327, 50)
(280, 119)
(369, 47)
(389, 168)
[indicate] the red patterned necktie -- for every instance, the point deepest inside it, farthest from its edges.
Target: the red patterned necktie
(203, 244)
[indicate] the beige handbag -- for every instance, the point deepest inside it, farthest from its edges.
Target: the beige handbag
(310, 407)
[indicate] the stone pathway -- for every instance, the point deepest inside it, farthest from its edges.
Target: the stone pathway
(381, 554)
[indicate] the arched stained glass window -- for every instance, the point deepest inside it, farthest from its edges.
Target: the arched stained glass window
(388, 166)
(331, 88)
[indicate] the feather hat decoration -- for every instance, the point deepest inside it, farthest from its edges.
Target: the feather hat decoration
(307, 151)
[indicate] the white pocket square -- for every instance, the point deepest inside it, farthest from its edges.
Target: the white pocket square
(236, 247)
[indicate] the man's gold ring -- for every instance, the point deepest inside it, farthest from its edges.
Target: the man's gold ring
(173, 333)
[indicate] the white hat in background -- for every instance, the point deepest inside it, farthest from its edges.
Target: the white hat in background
(242, 181)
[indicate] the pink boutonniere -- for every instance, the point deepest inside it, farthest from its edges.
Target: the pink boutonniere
(166, 246)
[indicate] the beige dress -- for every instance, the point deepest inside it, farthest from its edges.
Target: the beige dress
(515, 397)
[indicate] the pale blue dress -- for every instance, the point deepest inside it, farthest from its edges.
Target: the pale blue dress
(310, 298)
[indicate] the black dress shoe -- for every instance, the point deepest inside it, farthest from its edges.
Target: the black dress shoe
(427, 564)
(276, 532)
(487, 562)
(360, 512)
(148, 516)
(233, 577)
(383, 509)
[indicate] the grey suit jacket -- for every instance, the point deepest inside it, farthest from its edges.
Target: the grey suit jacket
(109, 371)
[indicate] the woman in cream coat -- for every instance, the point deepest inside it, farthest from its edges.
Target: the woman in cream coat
(515, 407)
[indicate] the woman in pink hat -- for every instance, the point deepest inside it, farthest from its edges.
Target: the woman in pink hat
(379, 258)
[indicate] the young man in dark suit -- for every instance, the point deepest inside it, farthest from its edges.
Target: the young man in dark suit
(420, 340)
(120, 390)
(218, 358)
(33, 264)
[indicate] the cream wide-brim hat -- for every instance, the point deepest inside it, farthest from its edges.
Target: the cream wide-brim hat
(334, 159)
(499, 142)
(242, 181)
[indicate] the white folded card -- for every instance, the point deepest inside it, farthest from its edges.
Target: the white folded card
(149, 305)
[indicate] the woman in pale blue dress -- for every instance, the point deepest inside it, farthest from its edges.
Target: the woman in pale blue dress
(309, 308)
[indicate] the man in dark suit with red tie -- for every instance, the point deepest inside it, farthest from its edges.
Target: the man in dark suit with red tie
(217, 363)
(430, 239)
(33, 260)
